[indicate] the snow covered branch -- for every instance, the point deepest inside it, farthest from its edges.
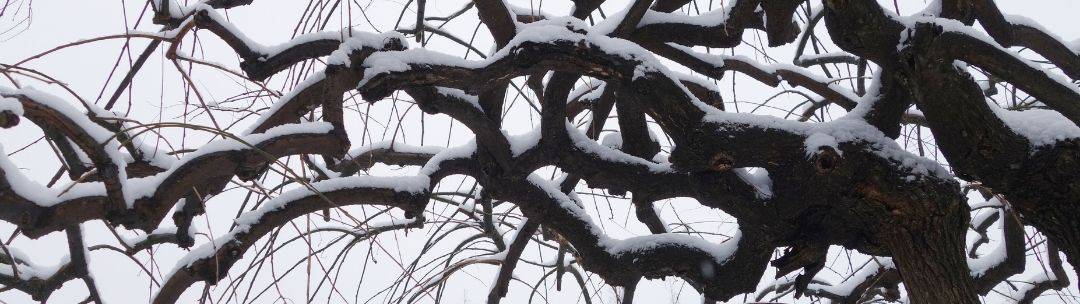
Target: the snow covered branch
(608, 108)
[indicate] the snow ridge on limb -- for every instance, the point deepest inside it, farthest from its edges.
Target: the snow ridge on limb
(211, 261)
(721, 27)
(52, 113)
(44, 210)
(259, 61)
(718, 270)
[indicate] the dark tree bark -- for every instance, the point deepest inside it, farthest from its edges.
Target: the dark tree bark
(842, 181)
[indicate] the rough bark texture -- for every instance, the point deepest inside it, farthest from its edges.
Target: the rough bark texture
(845, 182)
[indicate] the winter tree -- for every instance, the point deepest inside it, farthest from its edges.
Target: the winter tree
(240, 151)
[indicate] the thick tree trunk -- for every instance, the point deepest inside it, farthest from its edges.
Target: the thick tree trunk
(1046, 196)
(931, 262)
